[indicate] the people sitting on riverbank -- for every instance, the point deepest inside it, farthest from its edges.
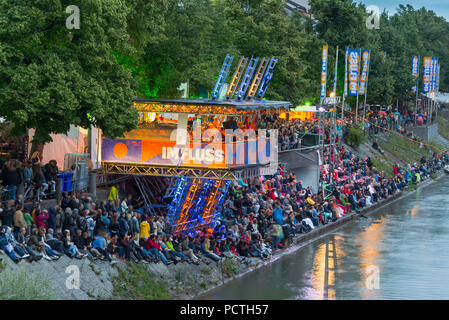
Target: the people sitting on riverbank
(260, 215)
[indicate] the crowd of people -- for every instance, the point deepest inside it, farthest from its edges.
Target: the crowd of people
(31, 173)
(290, 131)
(260, 216)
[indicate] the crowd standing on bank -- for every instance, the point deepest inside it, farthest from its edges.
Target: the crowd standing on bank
(260, 216)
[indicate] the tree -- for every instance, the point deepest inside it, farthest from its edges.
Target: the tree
(340, 22)
(51, 77)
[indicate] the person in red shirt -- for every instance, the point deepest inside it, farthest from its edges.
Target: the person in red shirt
(395, 170)
(154, 249)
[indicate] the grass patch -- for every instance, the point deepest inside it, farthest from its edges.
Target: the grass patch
(433, 175)
(93, 269)
(230, 267)
(443, 127)
(179, 275)
(437, 145)
(404, 149)
(134, 283)
(384, 165)
(24, 285)
(207, 270)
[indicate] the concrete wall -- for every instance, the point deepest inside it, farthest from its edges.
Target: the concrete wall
(309, 176)
(304, 164)
(427, 133)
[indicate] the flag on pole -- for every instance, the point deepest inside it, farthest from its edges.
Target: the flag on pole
(426, 74)
(434, 82)
(438, 79)
(365, 70)
(345, 89)
(323, 73)
(432, 76)
(415, 71)
(353, 70)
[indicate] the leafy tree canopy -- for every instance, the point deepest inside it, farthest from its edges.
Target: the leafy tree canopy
(52, 77)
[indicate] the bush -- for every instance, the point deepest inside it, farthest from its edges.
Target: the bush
(355, 137)
(230, 267)
(383, 165)
(433, 175)
(23, 285)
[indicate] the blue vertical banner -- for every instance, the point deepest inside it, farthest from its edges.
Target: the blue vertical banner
(345, 89)
(323, 73)
(426, 75)
(353, 70)
(415, 71)
(438, 79)
(432, 76)
(434, 82)
(365, 72)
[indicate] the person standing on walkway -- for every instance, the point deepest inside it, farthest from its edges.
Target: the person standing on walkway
(113, 195)
(11, 180)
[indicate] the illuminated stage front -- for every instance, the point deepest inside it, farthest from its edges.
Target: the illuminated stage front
(203, 143)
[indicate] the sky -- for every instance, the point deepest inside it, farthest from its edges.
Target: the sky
(440, 7)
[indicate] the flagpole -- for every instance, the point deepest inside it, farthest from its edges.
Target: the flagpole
(366, 89)
(364, 103)
(345, 88)
(358, 87)
(417, 89)
(335, 73)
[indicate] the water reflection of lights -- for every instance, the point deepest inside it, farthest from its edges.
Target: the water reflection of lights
(370, 240)
(322, 279)
(415, 210)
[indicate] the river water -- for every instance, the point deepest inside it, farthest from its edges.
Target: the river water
(401, 251)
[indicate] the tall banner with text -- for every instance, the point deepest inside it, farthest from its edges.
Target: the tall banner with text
(432, 76)
(438, 79)
(353, 70)
(415, 72)
(345, 89)
(365, 72)
(426, 74)
(323, 73)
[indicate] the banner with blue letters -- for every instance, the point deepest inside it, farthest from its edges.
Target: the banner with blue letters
(353, 70)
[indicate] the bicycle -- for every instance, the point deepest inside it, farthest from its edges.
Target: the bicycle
(29, 191)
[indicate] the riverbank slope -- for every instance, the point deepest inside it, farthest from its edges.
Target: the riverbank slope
(100, 280)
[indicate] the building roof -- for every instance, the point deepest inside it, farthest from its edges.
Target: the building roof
(300, 6)
(238, 105)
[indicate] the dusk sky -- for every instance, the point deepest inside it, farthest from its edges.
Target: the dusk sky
(440, 7)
